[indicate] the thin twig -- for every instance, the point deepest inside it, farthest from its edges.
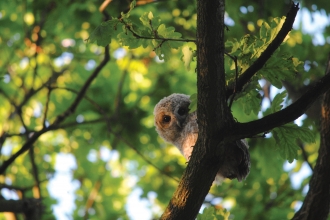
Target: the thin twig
(35, 172)
(95, 104)
(46, 106)
(118, 136)
(74, 123)
(15, 134)
(119, 91)
(18, 188)
(93, 195)
(142, 156)
(230, 56)
(305, 156)
(32, 92)
(129, 28)
(236, 76)
(83, 90)
(35, 135)
(37, 27)
(8, 98)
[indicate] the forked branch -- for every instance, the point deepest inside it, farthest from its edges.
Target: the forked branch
(260, 62)
(284, 116)
(60, 118)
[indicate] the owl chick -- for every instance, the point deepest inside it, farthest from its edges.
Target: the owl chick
(177, 126)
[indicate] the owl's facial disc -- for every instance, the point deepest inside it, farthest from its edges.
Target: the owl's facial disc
(164, 120)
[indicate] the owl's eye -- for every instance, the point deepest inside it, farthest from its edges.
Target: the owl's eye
(166, 118)
(182, 111)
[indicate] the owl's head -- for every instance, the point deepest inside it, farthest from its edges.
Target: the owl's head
(170, 116)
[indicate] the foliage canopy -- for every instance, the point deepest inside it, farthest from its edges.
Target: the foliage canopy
(107, 128)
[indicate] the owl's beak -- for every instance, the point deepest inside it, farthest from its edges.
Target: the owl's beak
(179, 123)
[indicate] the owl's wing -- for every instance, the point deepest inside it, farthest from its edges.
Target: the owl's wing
(237, 161)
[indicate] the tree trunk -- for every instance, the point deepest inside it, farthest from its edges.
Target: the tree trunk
(212, 110)
(317, 201)
(31, 208)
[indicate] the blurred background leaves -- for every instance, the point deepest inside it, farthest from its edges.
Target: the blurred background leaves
(110, 138)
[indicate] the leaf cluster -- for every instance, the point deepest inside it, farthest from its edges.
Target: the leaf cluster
(133, 32)
(281, 66)
(110, 157)
(210, 213)
(286, 139)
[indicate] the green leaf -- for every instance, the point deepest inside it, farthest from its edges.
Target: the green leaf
(276, 25)
(210, 213)
(286, 139)
(277, 101)
(265, 156)
(207, 214)
(128, 39)
(280, 67)
(131, 7)
(251, 102)
(193, 103)
(103, 33)
(188, 56)
(168, 32)
(233, 44)
(264, 30)
(149, 21)
(145, 19)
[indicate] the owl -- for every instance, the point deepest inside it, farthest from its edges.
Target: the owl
(177, 126)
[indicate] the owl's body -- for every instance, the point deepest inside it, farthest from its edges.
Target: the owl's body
(176, 125)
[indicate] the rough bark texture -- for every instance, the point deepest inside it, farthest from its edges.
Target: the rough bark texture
(213, 114)
(317, 201)
(215, 122)
(31, 208)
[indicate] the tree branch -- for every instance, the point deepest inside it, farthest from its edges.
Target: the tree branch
(304, 155)
(92, 196)
(83, 90)
(35, 174)
(117, 135)
(212, 110)
(46, 107)
(28, 144)
(30, 207)
(118, 97)
(95, 104)
(17, 188)
(31, 92)
(289, 114)
(260, 62)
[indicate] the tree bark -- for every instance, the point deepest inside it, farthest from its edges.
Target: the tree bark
(213, 114)
(216, 125)
(31, 208)
(317, 201)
